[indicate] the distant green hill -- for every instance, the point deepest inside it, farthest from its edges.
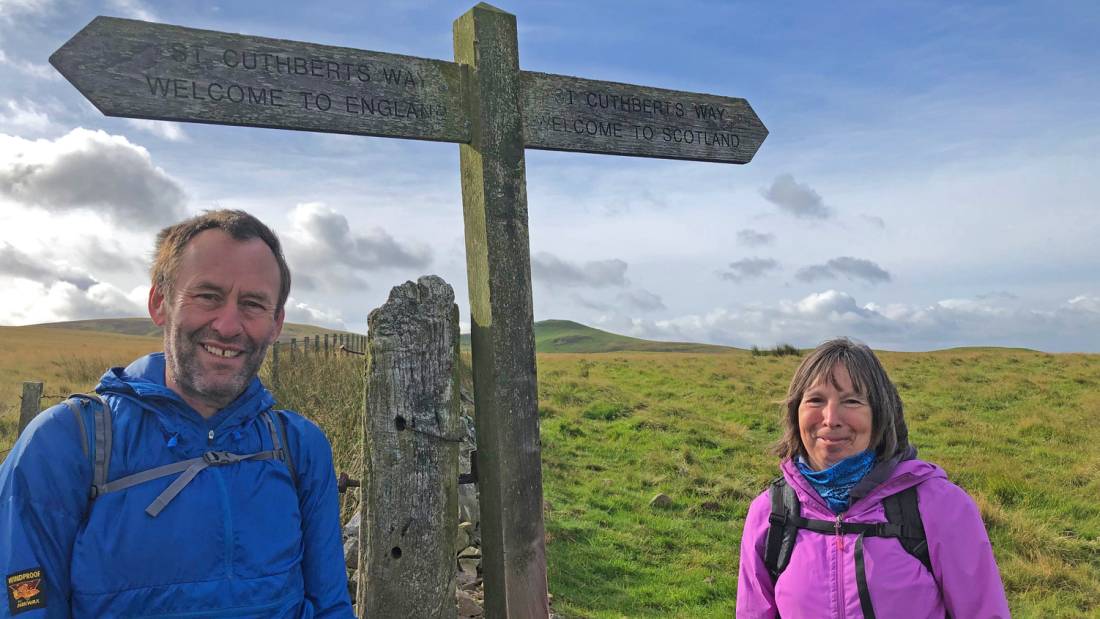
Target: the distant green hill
(550, 336)
(567, 336)
(145, 326)
(126, 326)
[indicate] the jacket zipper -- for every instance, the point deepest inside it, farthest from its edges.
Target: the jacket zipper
(839, 567)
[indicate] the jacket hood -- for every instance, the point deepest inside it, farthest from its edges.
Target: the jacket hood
(143, 383)
(886, 478)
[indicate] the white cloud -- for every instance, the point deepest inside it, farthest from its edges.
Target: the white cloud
(171, 131)
(751, 238)
(21, 117)
(748, 268)
(302, 312)
(30, 69)
(31, 302)
(548, 269)
(325, 252)
(86, 170)
(328, 233)
(134, 9)
(107, 255)
(1070, 326)
(641, 300)
(15, 263)
(852, 268)
(13, 8)
(798, 199)
(1084, 304)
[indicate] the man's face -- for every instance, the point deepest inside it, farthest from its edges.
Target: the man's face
(219, 318)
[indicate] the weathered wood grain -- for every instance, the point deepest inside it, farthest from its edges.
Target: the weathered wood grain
(29, 405)
(410, 446)
(567, 113)
(139, 69)
(498, 267)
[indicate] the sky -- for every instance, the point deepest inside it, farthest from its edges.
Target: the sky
(925, 184)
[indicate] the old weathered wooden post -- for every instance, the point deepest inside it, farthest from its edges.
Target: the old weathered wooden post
(29, 404)
(410, 453)
(485, 103)
(316, 344)
(494, 204)
(326, 344)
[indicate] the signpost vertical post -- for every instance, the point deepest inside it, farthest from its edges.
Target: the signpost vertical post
(502, 340)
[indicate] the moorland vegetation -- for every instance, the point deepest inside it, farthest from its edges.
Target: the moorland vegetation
(1015, 428)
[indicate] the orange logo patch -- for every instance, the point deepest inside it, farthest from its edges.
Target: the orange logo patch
(25, 591)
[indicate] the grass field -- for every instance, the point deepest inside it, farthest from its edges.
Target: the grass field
(66, 361)
(1017, 429)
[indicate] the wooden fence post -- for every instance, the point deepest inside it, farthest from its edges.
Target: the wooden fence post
(29, 406)
(293, 347)
(326, 344)
(410, 455)
(275, 364)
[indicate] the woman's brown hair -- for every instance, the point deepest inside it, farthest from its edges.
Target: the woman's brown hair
(889, 434)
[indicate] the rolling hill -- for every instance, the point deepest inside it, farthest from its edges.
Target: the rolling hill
(566, 336)
(569, 336)
(551, 336)
(145, 327)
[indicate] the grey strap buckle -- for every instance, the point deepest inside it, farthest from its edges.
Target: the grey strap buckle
(218, 458)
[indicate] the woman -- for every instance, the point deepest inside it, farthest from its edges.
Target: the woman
(857, 526)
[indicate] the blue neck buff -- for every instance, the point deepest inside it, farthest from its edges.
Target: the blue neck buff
(835, 482)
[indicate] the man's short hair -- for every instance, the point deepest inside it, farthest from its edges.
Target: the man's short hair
(172, 240)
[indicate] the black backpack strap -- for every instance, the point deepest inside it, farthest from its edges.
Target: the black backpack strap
(100, 436)
(786, 511)
(861, 582)
(73, 405)
(902, 509)
(277, 426)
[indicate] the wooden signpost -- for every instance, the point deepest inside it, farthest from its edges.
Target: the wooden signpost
(484, 102)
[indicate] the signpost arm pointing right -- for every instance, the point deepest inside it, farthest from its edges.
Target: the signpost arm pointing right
(494, 202)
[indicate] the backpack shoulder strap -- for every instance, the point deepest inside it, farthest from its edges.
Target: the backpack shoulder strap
(99, 437)
(276, 425)
(785, 510)
(902, 509)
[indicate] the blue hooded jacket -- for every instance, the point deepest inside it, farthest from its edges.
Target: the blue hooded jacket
(241, 540)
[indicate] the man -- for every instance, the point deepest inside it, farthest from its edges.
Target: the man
(204, 501)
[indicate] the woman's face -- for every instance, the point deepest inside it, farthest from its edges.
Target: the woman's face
(834, 419)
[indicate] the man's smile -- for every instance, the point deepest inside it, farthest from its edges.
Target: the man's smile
(217, 351)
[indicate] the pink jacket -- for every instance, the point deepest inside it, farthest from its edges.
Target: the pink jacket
(820, 580)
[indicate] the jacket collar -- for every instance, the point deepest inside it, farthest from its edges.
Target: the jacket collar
(143, 383)
(889, 477)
